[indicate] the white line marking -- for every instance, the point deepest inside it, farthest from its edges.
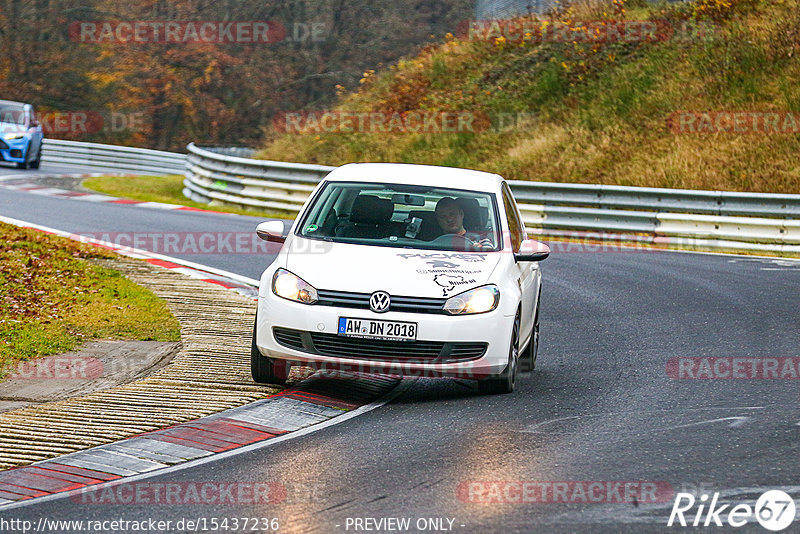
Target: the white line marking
(737, 421)
(533, 428)
(47, 192)
(93, 198)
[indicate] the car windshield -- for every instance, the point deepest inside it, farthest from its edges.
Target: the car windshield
(409, 216)
(12, 114)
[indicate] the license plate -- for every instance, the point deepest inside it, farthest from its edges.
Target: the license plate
(373, 329)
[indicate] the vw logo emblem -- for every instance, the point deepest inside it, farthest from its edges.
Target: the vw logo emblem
(379, 302)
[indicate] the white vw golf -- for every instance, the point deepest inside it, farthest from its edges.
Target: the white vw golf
(402, 269)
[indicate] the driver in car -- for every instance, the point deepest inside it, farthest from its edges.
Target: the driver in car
(450, 217)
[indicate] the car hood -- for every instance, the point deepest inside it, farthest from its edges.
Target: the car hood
(398, 271)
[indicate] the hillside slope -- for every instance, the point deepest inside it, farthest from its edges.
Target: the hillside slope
(583, 109)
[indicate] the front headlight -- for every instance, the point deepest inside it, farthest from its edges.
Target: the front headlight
(12, 136)
(290, 287)
(479, 300)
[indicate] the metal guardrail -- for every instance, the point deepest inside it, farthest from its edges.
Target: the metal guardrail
(112, 157)
(214, 175)
(662, 200)
(711, 219)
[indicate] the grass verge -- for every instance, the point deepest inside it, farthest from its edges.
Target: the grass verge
(53, 298)
(166, 189)
(590, 111)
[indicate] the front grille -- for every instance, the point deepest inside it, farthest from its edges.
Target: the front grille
(376, 349)
(289, 338)
(360, 301)
(334, 345)
(466, 351)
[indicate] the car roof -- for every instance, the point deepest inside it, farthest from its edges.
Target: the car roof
(405, 173)
(11, 102)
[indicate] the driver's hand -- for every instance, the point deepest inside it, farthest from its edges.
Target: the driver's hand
(484, 243)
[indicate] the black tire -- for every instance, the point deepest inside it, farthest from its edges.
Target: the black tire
(527, 358)
(266, 370)
(35, 163)
(24, 164)
(507, 380)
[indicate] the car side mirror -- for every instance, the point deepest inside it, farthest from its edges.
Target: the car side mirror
(271, 231)
(532, 250)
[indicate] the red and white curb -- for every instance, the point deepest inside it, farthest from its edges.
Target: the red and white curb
(315, 403)
(29, 185)
(241, 284)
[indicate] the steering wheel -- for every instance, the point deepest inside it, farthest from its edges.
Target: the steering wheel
(450, 237)
(456, 241)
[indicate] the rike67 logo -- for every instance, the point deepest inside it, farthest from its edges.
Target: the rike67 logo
(774, 510)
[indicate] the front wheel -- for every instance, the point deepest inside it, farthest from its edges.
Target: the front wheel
(266, 370)
(35, 163)
(24, 164)
(505, 381)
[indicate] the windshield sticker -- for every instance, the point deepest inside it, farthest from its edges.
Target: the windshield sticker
(439, 264)
(448, 271)
(448, 282)
(445, 267)
(471, 258)
(312, 228)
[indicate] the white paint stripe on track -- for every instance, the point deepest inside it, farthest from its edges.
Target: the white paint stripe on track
(32, 187)
(159, 205)
(93, 198)
(51, 192)
(21, 176)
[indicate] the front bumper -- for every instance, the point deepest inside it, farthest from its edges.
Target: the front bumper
(14, 150)
(492, 329)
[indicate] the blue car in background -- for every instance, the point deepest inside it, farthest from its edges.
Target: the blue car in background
(20, 135)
